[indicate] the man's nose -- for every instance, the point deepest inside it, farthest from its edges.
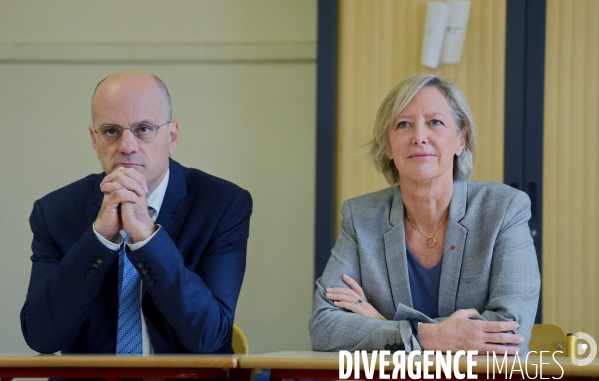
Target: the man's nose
(128, 143)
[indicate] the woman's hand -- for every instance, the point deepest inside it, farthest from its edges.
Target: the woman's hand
(353, 300)
(460, 332)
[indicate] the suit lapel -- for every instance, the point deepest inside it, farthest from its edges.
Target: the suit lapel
(395, 255)
(170, 218)
(453, 251)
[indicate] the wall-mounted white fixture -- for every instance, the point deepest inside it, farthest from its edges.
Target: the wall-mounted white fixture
(453, 46)
(444, 32)
(435, 24)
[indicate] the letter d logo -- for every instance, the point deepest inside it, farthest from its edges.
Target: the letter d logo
(580, 349)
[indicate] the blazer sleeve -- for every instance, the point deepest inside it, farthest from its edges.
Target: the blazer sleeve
(62, 285)
(515, 281)
(333, 328)
(199, 304)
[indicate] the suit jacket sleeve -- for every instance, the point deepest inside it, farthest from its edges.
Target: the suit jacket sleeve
(62, 284)
(515, 282)
(333, 328)
(198, 300)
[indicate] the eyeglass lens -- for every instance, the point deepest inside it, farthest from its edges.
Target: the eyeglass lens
(143, 132)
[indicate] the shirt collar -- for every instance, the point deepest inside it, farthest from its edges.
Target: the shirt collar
(156, 198)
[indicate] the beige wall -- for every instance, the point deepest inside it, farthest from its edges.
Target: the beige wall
(157, 21)
(379, 45)
(570, 167)
(242, 80)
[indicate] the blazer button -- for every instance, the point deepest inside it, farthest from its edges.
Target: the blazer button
(387, 347)
(394, 348)
(89, 277)
(140, 266)
(95, 266)
(147, 277)
(99, 261)
(401, 347)
(151, 283)
(144, 271)
(93, 272)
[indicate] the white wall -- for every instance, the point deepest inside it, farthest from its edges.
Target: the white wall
(242, 77)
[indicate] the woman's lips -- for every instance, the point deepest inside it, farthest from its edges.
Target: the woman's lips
(421, 155)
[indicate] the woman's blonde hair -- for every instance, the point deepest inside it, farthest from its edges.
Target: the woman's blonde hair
(394, 103)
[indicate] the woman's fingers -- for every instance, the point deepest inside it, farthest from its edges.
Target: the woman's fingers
(353, 307)
(465, 314)
(504, 338)
(500, 326)
(364, 309)
(499, 349)
(352, 299)
(460, 332)
(354, 285)
(341, 290)
(341, 294)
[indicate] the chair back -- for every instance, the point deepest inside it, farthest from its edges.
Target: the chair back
(239, 342)
(548, 337)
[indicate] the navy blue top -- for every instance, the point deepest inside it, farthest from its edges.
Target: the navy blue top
(424, 285)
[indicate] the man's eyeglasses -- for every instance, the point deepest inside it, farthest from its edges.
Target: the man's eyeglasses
(111, 134)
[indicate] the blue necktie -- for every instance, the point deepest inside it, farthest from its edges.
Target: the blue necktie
(128, 337)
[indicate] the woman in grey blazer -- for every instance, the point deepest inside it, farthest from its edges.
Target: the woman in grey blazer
(434, 262)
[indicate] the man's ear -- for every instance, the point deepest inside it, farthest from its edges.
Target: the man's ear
(173, 135)
(92, 134)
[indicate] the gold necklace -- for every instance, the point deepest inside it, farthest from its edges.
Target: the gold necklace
(431, 241)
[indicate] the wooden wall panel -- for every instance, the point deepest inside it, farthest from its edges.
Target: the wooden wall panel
(571, 170)
(379, 45)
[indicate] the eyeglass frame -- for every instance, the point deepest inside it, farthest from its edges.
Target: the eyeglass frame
(122, 130)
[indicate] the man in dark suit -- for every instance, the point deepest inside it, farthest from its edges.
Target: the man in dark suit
(148, 256)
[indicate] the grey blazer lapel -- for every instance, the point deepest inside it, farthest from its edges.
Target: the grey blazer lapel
(453, 251)
(395, 255)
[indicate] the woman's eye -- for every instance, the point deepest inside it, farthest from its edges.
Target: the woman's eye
(402, 124)
(436, 122)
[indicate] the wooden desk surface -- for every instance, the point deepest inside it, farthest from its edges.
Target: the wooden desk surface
(169, 365)
(291, 360)
(113, 361)
(330, 361)
(114, 367)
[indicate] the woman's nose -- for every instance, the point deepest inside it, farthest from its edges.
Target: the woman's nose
(420, 134)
